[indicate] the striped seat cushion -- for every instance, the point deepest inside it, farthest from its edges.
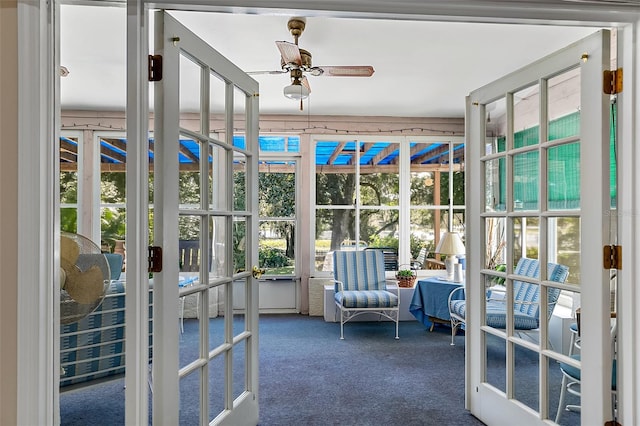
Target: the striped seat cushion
(521, 321)
(458, 307)
(94, 347)
(366, 299)
(496, 315)
(359, 270)
(526, 315)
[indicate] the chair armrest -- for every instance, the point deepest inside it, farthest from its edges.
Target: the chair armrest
(452, 293)
(390, 290)
(338, 286)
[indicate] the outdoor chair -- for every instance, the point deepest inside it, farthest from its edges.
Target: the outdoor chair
(360, 287)
(571, 374)
(418, 262)
(390, 255)
(189, 255)
(526, 298)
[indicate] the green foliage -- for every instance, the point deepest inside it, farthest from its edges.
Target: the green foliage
(276, 199)
(189, 187)
(336, 189)
(68, 219)
(112, 219)
(113, 225)
(405, 273)
(239, 253)
(387, 241)
(416, 244)
(113, 187)
(239, 191)
(270, 257)
(499, 280)
(68, 187)
(377, 189)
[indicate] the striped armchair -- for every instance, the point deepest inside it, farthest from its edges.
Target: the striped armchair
(360, 287)
(526, 297)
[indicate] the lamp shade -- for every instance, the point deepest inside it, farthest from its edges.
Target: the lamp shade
(450, 244)
(296, 91)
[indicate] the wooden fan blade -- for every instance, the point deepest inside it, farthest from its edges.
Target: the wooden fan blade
(267, 72)
(348, 71)
(305, 82)
(290, 52)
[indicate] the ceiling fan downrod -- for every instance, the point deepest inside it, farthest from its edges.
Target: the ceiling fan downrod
(296, 27)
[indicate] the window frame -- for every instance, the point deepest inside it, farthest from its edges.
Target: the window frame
(403, 207)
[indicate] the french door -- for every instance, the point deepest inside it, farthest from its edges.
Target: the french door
(539, 187)
(205, 192)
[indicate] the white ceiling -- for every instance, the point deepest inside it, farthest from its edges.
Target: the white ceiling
(422, 69)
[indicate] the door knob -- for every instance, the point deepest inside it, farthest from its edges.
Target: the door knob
(257, 272)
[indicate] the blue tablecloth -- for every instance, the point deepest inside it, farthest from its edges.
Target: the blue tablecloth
(430, 299)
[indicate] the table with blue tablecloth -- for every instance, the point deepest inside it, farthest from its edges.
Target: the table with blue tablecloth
(430, 301)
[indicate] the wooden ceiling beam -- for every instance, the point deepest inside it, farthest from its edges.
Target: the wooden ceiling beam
(190, 155)
(115, 156)
(384, 154)
(68, 156)
(336, 152)
(68, 147)
(429, 156)
(116, 143)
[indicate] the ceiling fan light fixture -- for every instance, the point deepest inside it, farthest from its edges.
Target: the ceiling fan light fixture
(296, 91)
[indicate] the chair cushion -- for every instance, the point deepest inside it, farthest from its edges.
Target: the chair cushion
(496, 315)
(360, 270)
(366, 299)
(458, 307)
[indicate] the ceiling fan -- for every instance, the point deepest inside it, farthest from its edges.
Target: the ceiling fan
(297, 62)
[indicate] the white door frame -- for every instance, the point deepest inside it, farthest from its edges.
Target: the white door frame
(27, 133)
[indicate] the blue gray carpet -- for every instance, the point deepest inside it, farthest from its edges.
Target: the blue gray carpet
(310, 377)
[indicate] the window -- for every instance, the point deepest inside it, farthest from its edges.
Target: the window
(361, 186)
(277, 216)
(277, 203)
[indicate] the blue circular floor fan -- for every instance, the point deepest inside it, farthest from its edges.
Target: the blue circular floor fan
(84, 277)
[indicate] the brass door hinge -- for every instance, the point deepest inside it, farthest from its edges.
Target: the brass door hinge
(612, 81)
(612, 257)
(154, 259)
(155, 67)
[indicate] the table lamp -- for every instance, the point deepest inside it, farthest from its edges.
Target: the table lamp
(450, 245)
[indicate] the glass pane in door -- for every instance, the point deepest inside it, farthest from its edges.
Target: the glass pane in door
(526, 179)
(563, 177)
(495, 127)
(525, 237)
(189, 186)
(495, 185)
(190, 89)
(564, 237)
(564, 105)
(496, 361)
(495, 242)
(526, 376)
(526, 116)
(217, 169)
